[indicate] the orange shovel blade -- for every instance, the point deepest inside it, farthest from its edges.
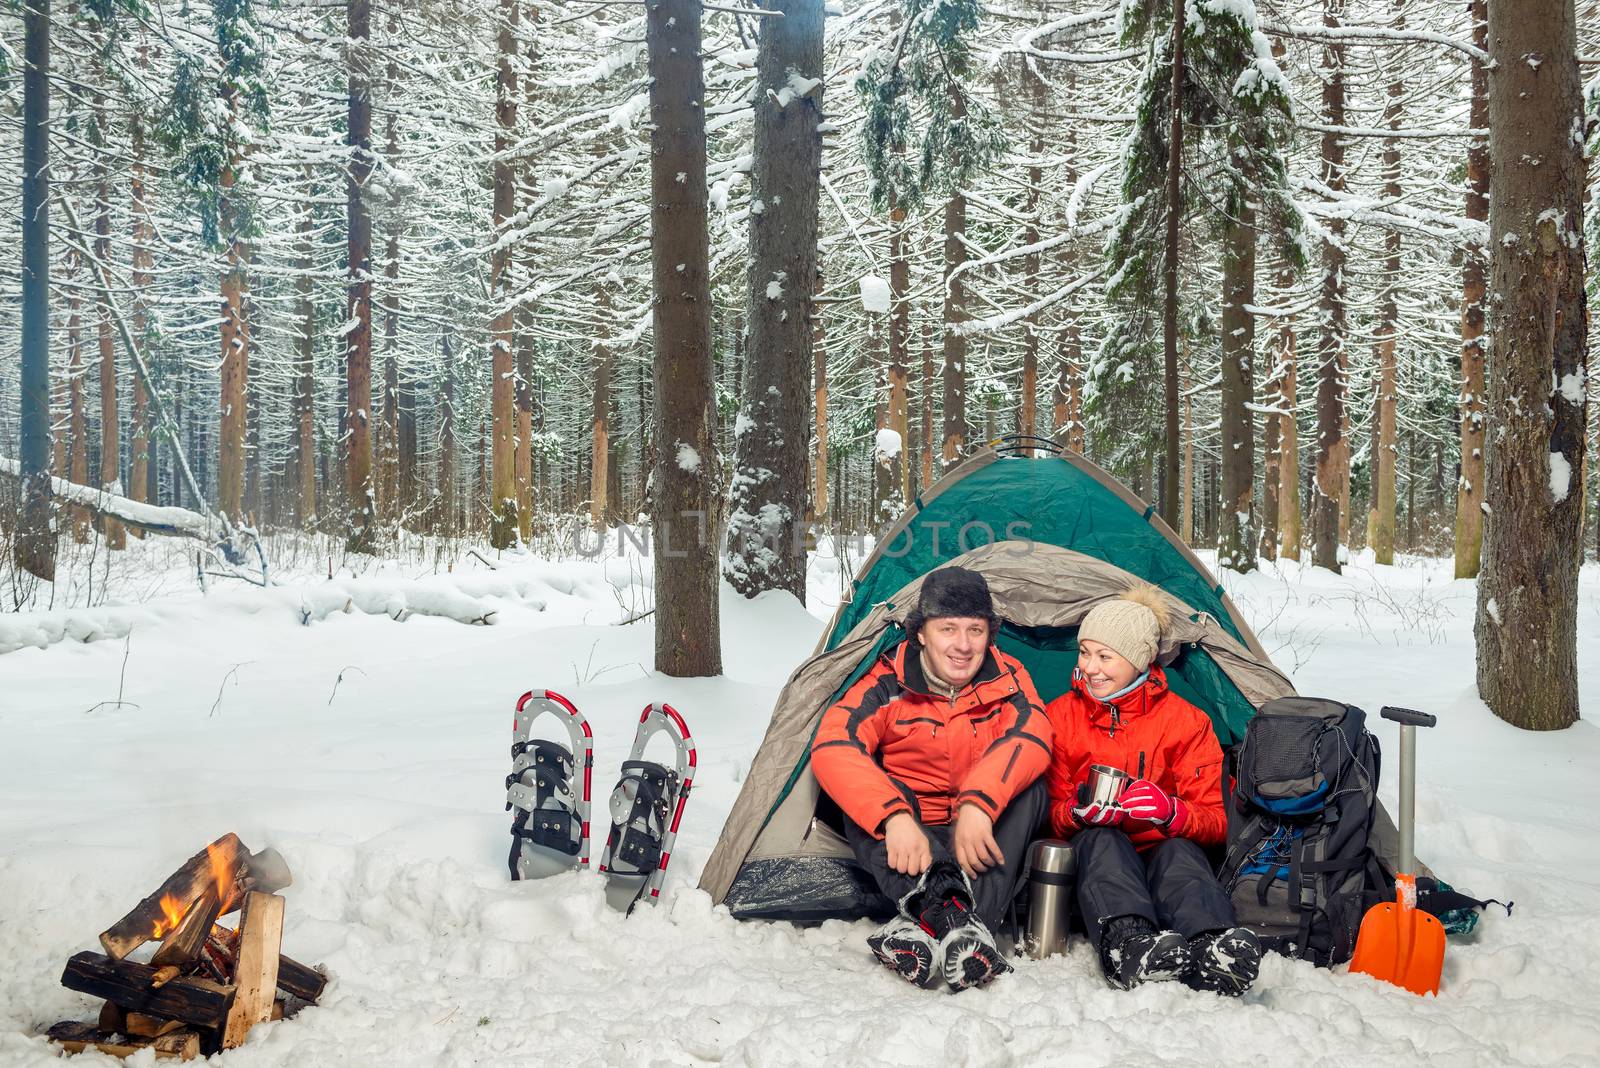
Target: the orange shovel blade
(1401, 945)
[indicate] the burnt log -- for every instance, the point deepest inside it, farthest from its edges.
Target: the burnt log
(183, 886)
(188, 998)
(242, 872)
(183, 944)
(300, 980)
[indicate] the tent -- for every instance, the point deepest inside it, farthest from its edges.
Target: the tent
(1054, 535)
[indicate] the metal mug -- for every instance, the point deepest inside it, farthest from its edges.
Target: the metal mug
(1049, 897)
(1106, 784)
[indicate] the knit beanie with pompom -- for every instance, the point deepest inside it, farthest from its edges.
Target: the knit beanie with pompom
(1130, 626)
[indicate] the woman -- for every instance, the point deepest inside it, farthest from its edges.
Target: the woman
(1151, 904)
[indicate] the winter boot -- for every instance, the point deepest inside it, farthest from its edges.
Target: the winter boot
(1132, 951)
(1223, 961)
(907, 949)
(966, 948)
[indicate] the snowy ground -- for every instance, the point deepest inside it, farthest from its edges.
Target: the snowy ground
(372, 753)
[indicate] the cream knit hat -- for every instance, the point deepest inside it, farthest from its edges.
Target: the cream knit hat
(1129, 626)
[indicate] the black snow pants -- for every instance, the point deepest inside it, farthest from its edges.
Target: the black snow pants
(1171, 885)
(992, 890)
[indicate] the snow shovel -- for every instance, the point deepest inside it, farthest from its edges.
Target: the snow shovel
(1397, 943)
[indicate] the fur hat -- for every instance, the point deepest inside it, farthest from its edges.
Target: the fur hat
(951, 591)
(1130, 626)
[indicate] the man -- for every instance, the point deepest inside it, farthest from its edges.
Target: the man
(934, 756)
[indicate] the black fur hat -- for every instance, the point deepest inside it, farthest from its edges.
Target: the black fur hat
(951, 591)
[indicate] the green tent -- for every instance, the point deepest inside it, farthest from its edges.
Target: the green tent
(1053, 535)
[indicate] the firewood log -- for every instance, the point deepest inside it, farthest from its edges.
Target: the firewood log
(182, 886)
(193, 1000)
(300, 980)
(113, 1018)
(143, 1025)
(295, 979)
(256, 973)
(183, 943)
(75, 1037)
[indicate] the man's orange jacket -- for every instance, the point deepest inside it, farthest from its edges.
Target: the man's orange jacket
(891, 745)
(1150, 733)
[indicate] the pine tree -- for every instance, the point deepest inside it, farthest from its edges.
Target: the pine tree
(768, 497)
(35, 548)
(1234, 99)
(683, 478)
(924, 133)
(1527, 616)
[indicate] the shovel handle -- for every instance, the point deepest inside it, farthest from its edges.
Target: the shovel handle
(1409, 717)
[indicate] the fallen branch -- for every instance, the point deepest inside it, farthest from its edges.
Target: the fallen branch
(153, 519)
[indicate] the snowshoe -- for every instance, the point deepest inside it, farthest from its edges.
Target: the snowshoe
(550, 828)
(646, 808)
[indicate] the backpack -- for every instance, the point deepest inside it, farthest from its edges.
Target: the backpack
(1300, 867)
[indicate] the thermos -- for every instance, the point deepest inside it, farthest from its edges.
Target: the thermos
(1049, 894)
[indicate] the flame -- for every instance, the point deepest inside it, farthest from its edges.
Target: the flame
(174, 910)
(221, 872)
(222, 875)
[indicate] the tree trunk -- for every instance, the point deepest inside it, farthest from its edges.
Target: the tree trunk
(235, 352)
(110, 473)
(1469, 487)
(1027, 411)
(140, 466)
(78, 425)
(361, 520)
(1380, 533)
(305, 382)
(1272, 471)
(688, 631)
(1236, 535)
(448, 520)
(1169, 308)
(1526, 623)
(525, 312)
(955, 343)
(820, 507)
(35, 547)
(1186, 468)
(1289, 435)
(900, 353)
(1333, 450)
(503, 495)
(600, 420)
(766, 545)
(925, 446)
(389, 499)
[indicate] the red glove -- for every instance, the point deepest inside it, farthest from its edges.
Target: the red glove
(1098, 815)
(1144, 800)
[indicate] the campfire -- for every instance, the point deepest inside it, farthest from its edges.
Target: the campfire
(206, 984)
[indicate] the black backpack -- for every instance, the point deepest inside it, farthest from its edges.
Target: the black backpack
(1300, 867)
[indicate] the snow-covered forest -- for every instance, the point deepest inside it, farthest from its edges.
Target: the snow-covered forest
(365, 364)
(201, 160)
